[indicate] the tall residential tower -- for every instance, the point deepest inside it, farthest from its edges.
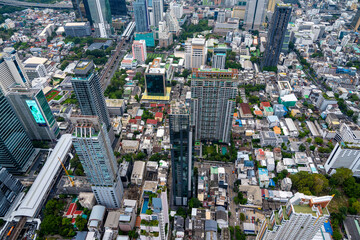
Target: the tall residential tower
(101, 17)
(181, 137)
(213, 93)
(276, 35)
(87, 87)
(93, 146)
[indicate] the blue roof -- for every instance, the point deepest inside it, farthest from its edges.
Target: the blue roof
(249, 163)
(156, 202)
(271, 183)
(327, 227)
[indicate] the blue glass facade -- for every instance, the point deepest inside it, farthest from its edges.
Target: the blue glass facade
(141, 14)
(15, 146)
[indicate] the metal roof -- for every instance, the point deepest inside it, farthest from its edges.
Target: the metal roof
(38, 192)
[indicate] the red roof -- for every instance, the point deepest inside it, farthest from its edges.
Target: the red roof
(138, 117)
(138, 221)
(161, 105)
(153, 105)
(78, 212)
(133, 121)
(245, 108)
(72, 209)
(151, 121)
(73, 220)
(159, 115)
(266, 104)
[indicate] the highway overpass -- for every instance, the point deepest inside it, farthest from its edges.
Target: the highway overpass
(35, 5)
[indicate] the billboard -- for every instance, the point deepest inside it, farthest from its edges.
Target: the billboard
(35, 111)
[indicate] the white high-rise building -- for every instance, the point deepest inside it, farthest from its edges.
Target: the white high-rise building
(93, 146)
(195, 52)
(172, 22)
(158, 10)
(177, 8)
(221, 17)
(139, 51)
(218, 60)
(301, 218)
(12, 71)
(165, 37)
(255, 14)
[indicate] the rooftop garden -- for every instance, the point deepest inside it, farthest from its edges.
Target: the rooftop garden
(51, 95)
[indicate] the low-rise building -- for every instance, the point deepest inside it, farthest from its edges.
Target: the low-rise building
(138, 172)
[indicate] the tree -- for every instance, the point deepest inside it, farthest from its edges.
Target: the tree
(194, 203)
(137, 98)
(341, 175)
(302, 148)
(242, 217)
(309, 140)
(117, 154)
(356, 206)
(81, 223)
(319, 140)
(312, 148)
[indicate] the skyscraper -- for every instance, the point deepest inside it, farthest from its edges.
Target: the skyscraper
(12, 71)
(32, 109)
(276, 34)
(139, 51)
(158, 9)
(118, 7)
(195, 52)
(101, 17)
(255, 14)
(141, 14)
(82, 11)
(16, 149)
(87, 87)
(181, 137)
(219, 56)
(93, 146)
(213, 94)
(355, 23)
(10, 187)
(301, 218)
(155, 79)
(177, 8)
(172, 22)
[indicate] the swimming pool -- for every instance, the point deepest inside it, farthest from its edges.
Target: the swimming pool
(145, 205)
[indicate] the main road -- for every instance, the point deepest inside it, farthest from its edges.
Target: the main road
(113, 63)
(37, 5)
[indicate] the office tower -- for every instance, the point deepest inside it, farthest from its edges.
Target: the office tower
(355, 23)
(10, 187)
(87, 87)
(155, 79)
(181, 137)
(213, 94)
(101, 17)
(158, 9)
(77, 29)
(34, 67)
(118, 7)
(221, 17)
(177, 8)
(276, 34)
(12, 71)
(271, 5)
(255, 14)
(301, 218)
(195, 52)
(16, 149)
(141, 14)
(165, 37)
(82, 11)
(93, 146)
(139, 51)
(32, 109)
(172, 22)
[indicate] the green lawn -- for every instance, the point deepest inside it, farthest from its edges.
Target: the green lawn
(51, 94)
(58, 97)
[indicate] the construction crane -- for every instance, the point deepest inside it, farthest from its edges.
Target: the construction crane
(72, 182)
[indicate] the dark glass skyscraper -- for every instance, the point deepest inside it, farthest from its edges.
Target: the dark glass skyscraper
(87, 87)
(181, 153)
(276, 34)
(16, 149)
(118, 7)
(141, 14)
(10, 187)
